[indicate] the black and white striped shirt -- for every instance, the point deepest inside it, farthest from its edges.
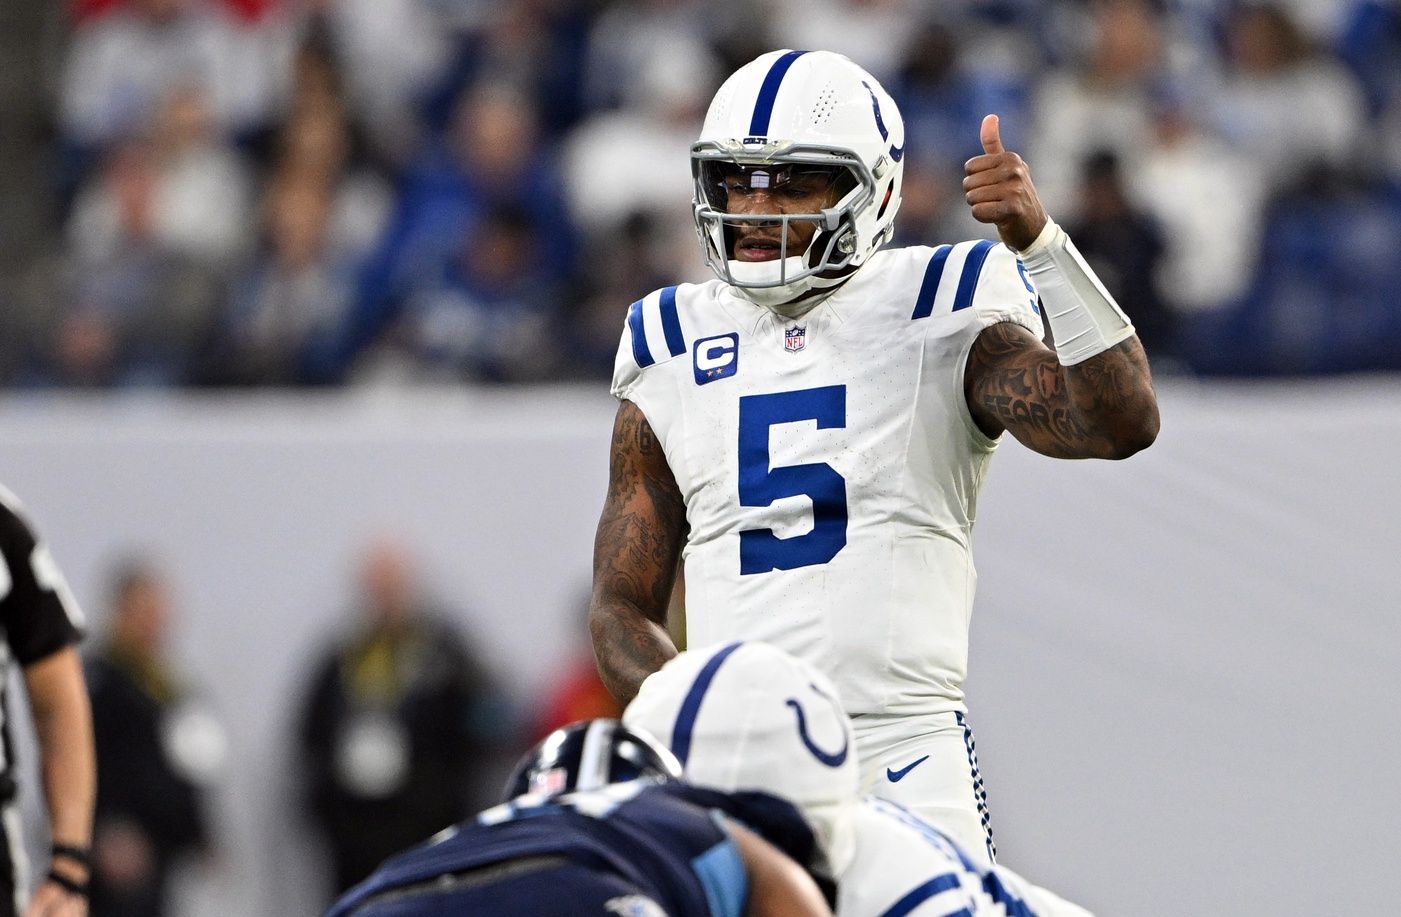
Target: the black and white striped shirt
(38, 615)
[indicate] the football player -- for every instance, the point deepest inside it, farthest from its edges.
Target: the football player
(596, 824)
(809, 431)
(749, 717)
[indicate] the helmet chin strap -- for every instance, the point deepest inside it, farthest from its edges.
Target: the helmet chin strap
(782, 299)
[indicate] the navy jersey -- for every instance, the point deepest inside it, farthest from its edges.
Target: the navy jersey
(666, 841)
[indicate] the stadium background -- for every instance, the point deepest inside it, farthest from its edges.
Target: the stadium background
(277, 277)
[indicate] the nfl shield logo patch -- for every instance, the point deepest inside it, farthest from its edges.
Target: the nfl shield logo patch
(795, 338)
(549, 782)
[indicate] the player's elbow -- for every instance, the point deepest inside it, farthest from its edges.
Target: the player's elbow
(602, 620)
(1132, 437)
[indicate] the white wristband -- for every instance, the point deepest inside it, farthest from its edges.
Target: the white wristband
(1084, 318)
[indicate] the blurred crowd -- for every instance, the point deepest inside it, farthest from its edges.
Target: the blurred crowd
(400, 728)
(312, 192)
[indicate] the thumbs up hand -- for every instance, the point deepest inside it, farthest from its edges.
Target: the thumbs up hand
(999, 190)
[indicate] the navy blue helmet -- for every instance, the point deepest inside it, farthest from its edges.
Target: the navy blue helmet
(588, 755)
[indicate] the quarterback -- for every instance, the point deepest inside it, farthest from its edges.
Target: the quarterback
(808, 432)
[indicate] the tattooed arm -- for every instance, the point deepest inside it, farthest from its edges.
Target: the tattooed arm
(1102, 408)
(634, 560)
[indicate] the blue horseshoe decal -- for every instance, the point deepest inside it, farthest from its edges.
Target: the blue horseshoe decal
(831, 759)
(875, 106)
(896, 152)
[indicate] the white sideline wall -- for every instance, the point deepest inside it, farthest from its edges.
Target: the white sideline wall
(1184, 675)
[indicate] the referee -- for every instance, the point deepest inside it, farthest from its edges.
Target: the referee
(40, 624)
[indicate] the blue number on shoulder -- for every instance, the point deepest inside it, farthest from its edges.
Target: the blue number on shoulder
(760, 550)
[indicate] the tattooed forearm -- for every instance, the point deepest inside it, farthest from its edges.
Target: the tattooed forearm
(635, 554)
(1104, 407)
(628, 648)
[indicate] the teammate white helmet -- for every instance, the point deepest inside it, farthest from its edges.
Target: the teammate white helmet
(748, 716)
(790, 112)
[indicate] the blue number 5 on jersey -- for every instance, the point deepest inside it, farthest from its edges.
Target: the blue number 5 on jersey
(760, 550)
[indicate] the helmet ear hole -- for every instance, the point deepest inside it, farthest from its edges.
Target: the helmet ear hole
(889, 193)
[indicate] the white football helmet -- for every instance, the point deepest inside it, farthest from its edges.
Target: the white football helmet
(748, 716)
(800, 111)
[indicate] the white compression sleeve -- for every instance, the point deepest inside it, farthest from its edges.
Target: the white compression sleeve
(1084, 318)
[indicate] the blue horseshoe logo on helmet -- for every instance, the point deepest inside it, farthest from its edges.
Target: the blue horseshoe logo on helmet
(875, 107)
(896, 152)
(831, 759)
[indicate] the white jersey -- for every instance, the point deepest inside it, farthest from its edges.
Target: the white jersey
(829, 465)
(904, 865)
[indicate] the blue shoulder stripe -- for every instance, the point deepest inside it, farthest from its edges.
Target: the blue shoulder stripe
(690, 706)
(722, 875)
(640, 353)
(968, 280)
(671, 323)
(922, 893)
(924, 302)
(768, 92)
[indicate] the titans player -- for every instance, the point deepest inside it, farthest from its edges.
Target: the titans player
(809, 431)
(596, 824)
